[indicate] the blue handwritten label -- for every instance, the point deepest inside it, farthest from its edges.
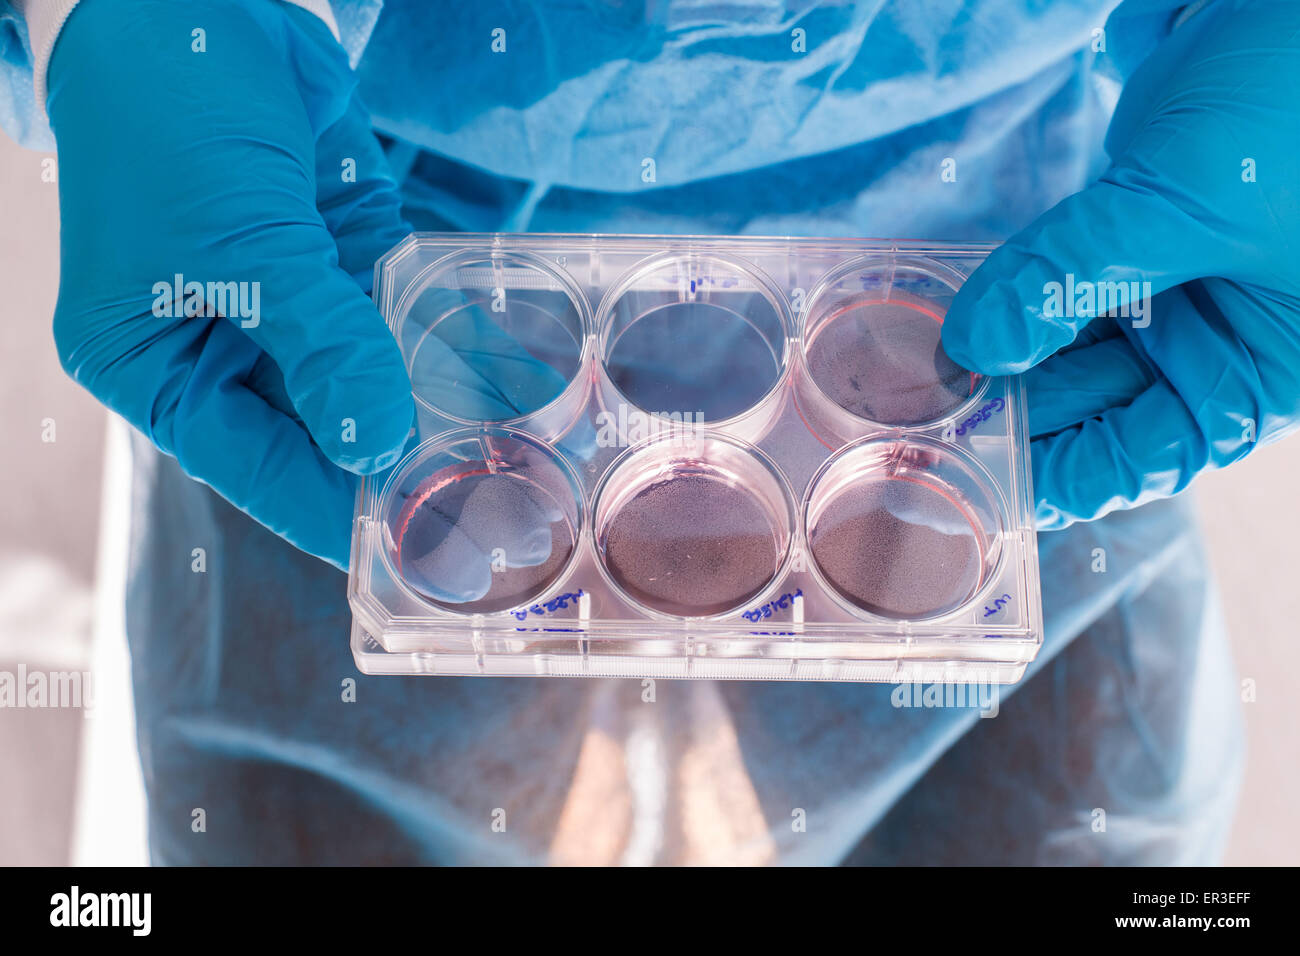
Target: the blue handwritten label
(559, 603)
(998, 605)
(699, 282)
(984, 414)
(771, 607)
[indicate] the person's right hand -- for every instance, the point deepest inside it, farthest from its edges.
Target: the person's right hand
(215, 141)
(1201, 206)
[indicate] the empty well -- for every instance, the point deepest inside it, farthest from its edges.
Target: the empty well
(693, 528)
(872, 343)
(496, 337)
(702, 338)
(903, 529)
(482, 520)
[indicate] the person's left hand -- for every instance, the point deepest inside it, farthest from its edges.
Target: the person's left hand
(1203, 203)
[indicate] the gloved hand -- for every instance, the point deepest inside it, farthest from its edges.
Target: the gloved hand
(224, 157)
(1201, 202)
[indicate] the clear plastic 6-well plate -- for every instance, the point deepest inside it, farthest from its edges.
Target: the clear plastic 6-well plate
(652, 456)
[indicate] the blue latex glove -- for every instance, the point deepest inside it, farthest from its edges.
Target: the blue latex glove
(227, 166)
(1202, 202)
(233, 171)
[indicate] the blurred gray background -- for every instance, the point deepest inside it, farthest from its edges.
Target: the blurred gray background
(48, 541)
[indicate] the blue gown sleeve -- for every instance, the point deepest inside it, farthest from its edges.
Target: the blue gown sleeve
(26, 124)
(19, 117)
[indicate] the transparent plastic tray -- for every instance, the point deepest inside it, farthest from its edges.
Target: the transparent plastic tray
(648, 456)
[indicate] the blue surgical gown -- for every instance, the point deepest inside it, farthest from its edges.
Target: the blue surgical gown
(1121, 745)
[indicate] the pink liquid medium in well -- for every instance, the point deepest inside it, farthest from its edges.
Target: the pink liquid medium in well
(882, 360)
(898, 547)
(466, 526)
(692, 544)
